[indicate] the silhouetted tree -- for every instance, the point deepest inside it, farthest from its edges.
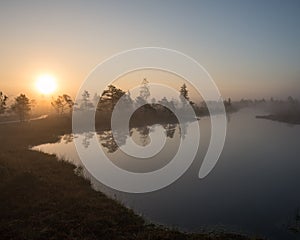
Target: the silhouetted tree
(86, 102)
(3, 99)
(22, 106)
(144, 93)
(184, 92)
(163, 101)
(227, 103)
(110, 97)
(153, 100)
(62, 103)
(184, 95)
(167, 106)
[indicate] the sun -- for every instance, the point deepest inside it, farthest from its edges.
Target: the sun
(46, 84)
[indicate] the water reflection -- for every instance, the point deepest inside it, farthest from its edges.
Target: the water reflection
(109, 142)
(86, 139)
(143, 135)
(183, 129)
(170, 130)
(140, 135)
(68, 138)
(253, 188)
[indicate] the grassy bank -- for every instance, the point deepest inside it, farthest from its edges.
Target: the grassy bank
(42, 198)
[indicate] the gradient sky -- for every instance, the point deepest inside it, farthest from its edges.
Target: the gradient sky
(251, 48)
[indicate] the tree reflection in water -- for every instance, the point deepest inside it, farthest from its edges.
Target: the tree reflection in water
(112, 144)
(86, 140)
(170, 129)
(68, 138)
(107, 140)
(143, 135)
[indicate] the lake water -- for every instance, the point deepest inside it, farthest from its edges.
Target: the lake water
(254, 188)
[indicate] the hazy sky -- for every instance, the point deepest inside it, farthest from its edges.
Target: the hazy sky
(251, 48)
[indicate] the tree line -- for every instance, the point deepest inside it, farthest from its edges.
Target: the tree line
(22, 105)
(105, 103)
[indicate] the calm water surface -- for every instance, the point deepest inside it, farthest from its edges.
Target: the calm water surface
(253, 189)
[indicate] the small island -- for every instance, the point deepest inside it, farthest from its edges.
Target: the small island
(287, 111)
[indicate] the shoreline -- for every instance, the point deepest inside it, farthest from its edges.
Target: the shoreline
(281, 118)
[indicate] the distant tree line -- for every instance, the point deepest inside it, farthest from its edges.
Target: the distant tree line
(153, 110)
(105, 103)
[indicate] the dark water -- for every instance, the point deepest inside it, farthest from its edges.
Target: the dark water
(254, 188)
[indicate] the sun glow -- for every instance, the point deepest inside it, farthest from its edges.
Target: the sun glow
(46, 84)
